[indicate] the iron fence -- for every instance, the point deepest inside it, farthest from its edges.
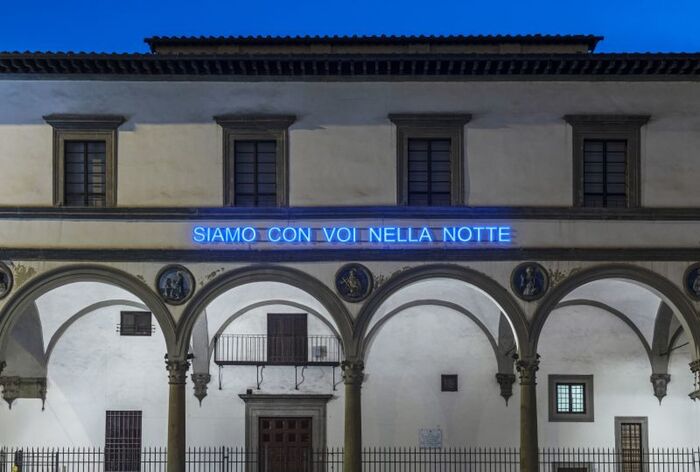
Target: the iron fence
(377, 459)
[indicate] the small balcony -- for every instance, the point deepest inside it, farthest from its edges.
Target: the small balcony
(262, 349)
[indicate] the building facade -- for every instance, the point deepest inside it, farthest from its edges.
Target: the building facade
(427, 242)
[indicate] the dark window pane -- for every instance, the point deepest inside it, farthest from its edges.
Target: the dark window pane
(605, 173)
(85, 175)
(255, 173)
(429, 172)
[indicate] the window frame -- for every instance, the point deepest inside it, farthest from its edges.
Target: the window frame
(587, 381)
(133, 331)
(255, 128)
(73, 127)
(608, 128)
(445, 380)
(426, 126)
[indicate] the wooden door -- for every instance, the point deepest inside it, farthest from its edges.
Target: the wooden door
(287, 338)
(285, 444)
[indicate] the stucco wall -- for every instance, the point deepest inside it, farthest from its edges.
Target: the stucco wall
(342, 146)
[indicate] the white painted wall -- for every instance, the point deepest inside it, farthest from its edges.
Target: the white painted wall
(401, 393)
(93, 369)
(585, 340)
(342, 146)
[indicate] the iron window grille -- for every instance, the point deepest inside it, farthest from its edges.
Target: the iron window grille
(85, 173)
(123, 441)
(571, 398)
(136, 323)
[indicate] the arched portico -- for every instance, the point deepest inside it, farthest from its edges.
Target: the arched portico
(366, 345)
(507, 305)
(617, 314)
(210, 292)
(651, 280)
(638, 297)
(263, 273)
(241, 312)
(61, 276)
(81, 313)
(497, 293)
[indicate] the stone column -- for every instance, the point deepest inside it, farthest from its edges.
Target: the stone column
(695, 369)
(529, 447)
(177, 378)
(353, 373)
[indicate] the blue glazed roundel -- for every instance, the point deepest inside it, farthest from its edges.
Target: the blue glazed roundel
(353, 282)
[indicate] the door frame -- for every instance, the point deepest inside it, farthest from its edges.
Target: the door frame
(270, 405)
(644, 420)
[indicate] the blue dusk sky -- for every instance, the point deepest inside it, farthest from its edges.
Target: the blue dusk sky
(121, 25)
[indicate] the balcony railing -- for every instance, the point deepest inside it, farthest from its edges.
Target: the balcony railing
(379, 459)
(261, 349)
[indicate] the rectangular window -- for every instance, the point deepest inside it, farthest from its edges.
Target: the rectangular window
(256, 159)
(430, 158)
(85, 178)
(571, 398)
(255, 173)
(136, 323)
(448, 383)
(85, 159)
(605, 173)
(606, 155)
(123, 441)
(287, 338)
(429, 172)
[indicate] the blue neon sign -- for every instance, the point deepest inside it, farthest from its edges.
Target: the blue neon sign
(354, 235)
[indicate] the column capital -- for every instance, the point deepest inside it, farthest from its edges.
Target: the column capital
(201, 382)
(353, 371)
(695, 369)
(527, 368)
(177, 370)
(505, 381)
(695, 366)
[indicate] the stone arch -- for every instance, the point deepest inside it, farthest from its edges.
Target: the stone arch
(498, 294)
(649, 279)
(264, 273)
(255, 305)
(83, 312)
(367, 341)
(61, 276)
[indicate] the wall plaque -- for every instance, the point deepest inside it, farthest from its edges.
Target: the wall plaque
(430, 438)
